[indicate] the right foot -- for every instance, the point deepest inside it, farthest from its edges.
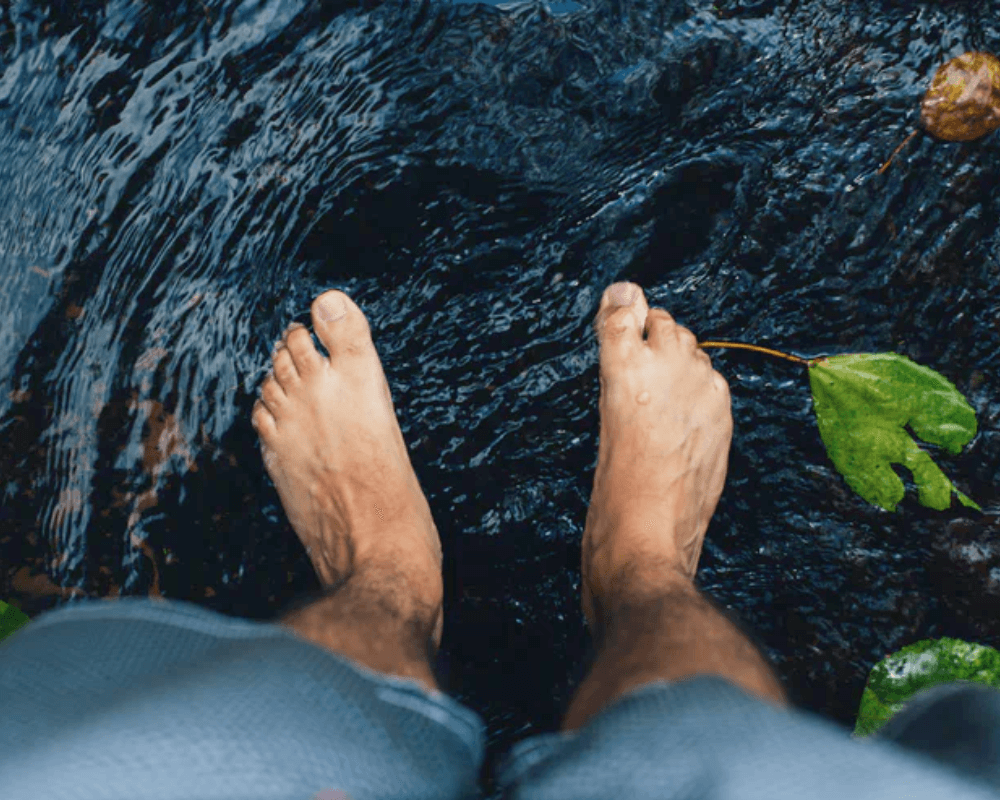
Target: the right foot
(666, 426)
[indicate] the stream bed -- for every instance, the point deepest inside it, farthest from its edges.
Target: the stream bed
(181, 179)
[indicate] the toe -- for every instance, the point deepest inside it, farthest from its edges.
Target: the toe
(621, 318)
(262, 420)
(663, 333)
(284, 369)
(661, 329)
(340, 325)
(300, 344)
(272, 394)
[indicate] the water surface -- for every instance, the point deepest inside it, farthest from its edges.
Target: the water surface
(180, 181)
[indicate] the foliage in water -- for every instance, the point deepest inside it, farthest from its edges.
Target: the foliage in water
(963, 102)
(863, 403)
(11, 619)
(894, 681)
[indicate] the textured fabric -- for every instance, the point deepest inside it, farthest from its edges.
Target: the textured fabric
(705, 739)
(139, 698)
(144, 699)
(956, 723)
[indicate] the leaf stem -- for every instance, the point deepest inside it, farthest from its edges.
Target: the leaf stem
(885, 166)
(738, 345)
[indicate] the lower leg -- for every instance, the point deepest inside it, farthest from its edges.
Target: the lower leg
(333, 448)
(659, 627)
(371, 617)
(666, 427)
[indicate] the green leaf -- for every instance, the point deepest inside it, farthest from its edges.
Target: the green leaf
(894, 681)
(11, 619)
(864, 400)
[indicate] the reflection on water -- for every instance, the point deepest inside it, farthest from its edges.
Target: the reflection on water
(179, 185)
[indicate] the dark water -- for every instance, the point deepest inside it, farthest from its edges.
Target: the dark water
(181, 180)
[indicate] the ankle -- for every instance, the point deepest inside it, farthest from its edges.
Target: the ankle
(630, 585)
(679, 633)
(409, 581)
(375, 620)
(402, 563)
(669, 635)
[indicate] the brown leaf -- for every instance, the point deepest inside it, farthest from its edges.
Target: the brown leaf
(963, 102)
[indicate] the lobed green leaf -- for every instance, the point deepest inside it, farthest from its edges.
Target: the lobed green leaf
(863, 403)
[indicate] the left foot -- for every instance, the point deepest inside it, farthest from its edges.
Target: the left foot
(333, 448)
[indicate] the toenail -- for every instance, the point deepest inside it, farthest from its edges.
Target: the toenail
(623, 294)
(331, 309)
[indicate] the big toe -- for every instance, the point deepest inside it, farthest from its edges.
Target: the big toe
(340, 324)
(621, 318)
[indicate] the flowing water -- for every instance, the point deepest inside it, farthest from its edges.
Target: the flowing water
(180, 180)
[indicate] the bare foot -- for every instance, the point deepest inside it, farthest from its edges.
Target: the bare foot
(666, 426)
(333, 448)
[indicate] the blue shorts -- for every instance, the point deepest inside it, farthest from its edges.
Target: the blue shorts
(141, 698)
